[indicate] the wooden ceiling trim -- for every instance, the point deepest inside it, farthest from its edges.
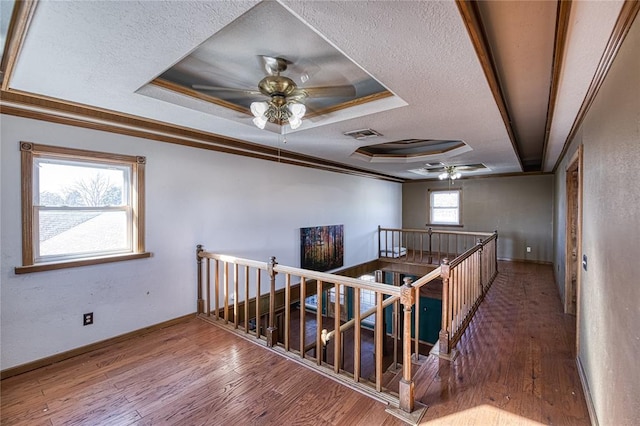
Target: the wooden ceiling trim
(55, 111)
(352, 103)
(165, 84)
(480, 177)
(20, 19)
(562, 25)
(473, 22)
(627, 15)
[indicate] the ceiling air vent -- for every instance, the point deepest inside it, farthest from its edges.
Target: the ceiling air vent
(363, 133)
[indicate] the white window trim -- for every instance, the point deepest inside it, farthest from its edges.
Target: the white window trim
(30, 261)
(430, 208)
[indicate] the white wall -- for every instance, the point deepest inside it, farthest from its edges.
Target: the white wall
(609, 301)
(231, 204)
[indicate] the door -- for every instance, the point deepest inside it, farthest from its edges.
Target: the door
(573, 252)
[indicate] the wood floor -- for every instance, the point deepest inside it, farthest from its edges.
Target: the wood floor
(516, 366)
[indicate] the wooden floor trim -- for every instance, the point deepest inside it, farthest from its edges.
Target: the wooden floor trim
(43, 362)
(587, 393)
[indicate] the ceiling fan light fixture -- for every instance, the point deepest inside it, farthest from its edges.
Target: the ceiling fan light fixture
(294, 122)
(297, 110)
(450, 173)
(258, 109)
(260, 122)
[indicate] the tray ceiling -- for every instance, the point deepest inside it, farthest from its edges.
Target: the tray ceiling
(424, 57)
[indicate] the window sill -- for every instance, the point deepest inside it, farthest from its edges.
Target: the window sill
(443, 225)
(40, 267)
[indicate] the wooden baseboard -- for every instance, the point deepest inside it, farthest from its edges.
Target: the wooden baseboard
(43, 362)
(538, 262)
(587, 393)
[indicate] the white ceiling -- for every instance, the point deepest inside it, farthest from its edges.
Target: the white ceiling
(104, 54)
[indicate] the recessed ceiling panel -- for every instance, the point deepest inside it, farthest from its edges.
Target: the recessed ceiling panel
(411, 150)
(227, 68)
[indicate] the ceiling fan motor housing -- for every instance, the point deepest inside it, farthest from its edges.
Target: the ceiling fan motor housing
(276, 85)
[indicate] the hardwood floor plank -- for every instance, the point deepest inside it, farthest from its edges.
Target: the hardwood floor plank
(515, 366)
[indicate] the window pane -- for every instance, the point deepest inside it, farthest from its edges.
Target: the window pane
(69, 232)
(445, 199)
(445, 207)
(445, 216)
(78, 184)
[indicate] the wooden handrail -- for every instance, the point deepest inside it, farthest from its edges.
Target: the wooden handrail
(338, 279)
(438, 231)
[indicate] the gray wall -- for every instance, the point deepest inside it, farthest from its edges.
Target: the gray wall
(231, 204)
(609, 299)
(519, 207)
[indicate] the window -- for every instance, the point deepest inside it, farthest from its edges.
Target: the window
(80, 207)
(445, 207)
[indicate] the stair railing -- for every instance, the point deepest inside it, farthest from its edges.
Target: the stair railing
(230, 292)
(465, 281)
(429, 245)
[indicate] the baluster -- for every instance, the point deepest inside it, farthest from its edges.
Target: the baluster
(216, 280)
(236, 314)
(208, 287)
(272, 331)
(226, 292)
(379, 341)
(319, 345)
(258, 301)
(430, 231)
(287, 311)
(480, 268)
(416, 318)
(356, 334)
(393, 244)
(303, 315)
(246, 299)
(337, 340)
(495, 251)
(396, 332)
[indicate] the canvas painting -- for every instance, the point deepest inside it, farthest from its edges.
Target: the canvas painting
(322, 247)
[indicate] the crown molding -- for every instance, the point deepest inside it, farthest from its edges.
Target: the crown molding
(627, 15)
(62, 112)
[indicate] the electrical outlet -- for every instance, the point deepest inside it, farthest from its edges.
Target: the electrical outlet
(528, 249)
(87, 319)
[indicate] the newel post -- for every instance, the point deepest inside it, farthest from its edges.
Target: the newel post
(446, 309)
(200, 249)
(272, 330)
(406, 386)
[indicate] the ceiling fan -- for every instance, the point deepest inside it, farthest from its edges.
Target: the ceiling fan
(286, 99)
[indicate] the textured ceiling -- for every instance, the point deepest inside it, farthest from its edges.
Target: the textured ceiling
(105, 54)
